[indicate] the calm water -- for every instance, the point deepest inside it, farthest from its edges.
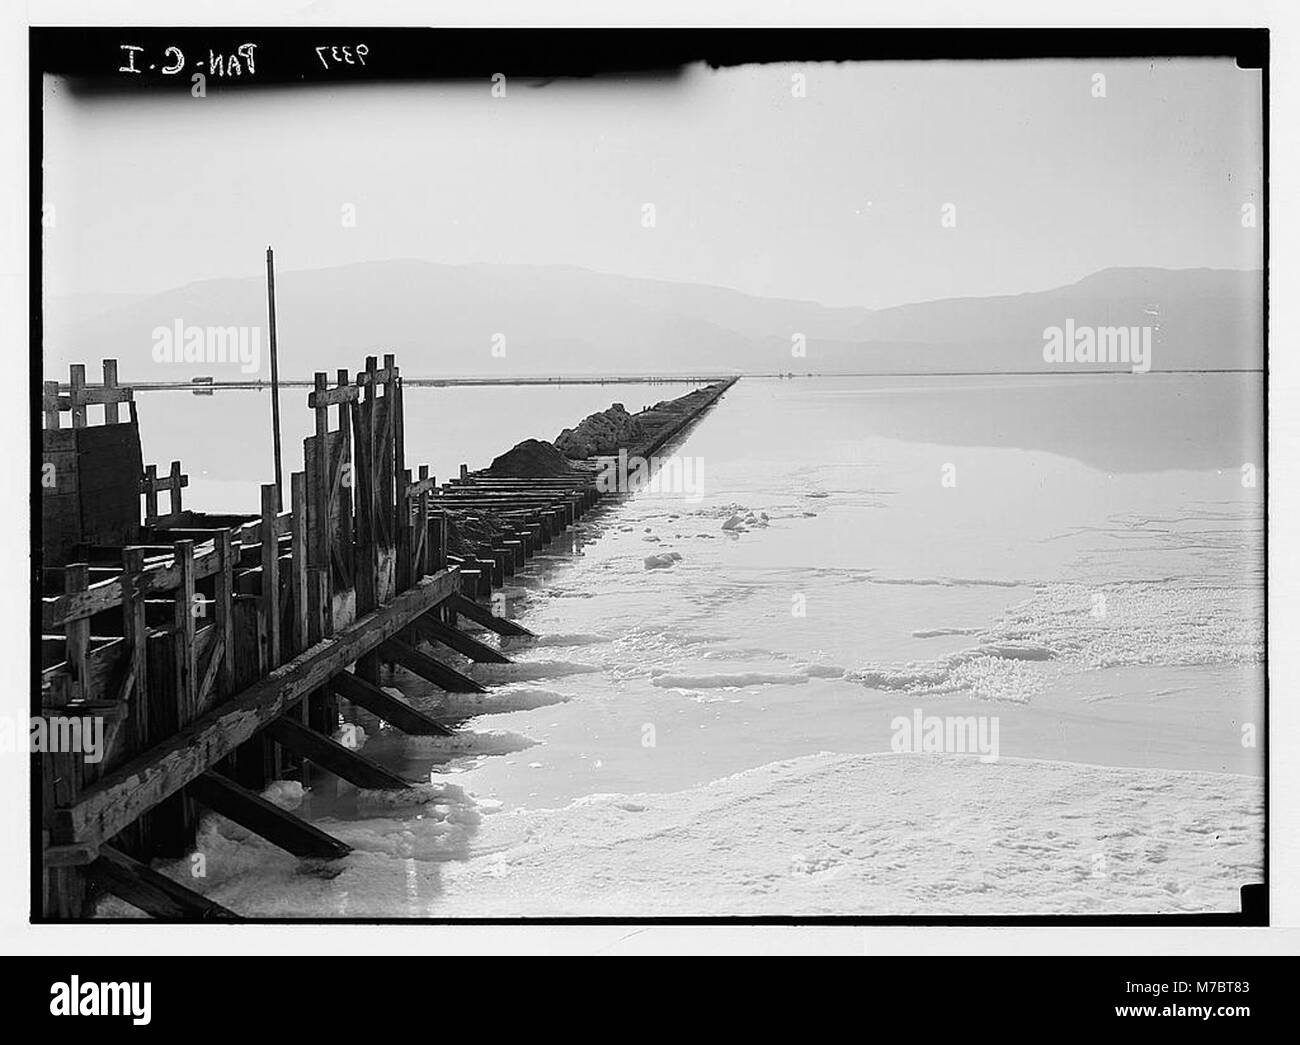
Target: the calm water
(223, 441)
(1078, 557)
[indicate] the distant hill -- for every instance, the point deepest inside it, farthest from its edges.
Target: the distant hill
(441, 320)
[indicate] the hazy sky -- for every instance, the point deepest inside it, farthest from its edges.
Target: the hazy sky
(834, 197)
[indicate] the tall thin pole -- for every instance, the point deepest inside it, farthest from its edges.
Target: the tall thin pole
(275, 378)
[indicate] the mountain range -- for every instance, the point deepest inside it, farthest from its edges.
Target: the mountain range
(521, 320)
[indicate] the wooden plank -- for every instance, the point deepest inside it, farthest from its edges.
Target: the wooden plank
(368, 517)
(481, 615)
(59, 439)
(175, 484)
(183, 630)
(224, 587)
(325, 397)
(293, 834)
(373, 376)
(319, 483)
(298, 496)
(395, 712)
(124, 794)
(246, 763)
(426, 667)
(438, 535)
(315, 539)
(50, 405)
(75, 578)
(419, 538)
(405, 537)
(211, 671)
(60, 535)
(429, 627)
(329, 754)
(69, 855)
(385, 532)
(320, 622)
(364, 482)
(343, 547)
(149, 487)
(571, 481)
(136, 635)
(110, 382)
(108, 476)
(485, 569)
(271, 577)
(424, 560)
(77, 386)
(250, 533)
(106, 663)
(503, 564)
(398, 471)
(154, 893)
(172, 821)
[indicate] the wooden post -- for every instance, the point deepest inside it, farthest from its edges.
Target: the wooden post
(77, 394)
(320, 708)
(245, 807)
(76, 578)
(303, 598)
(275, 375)
(271, 575)
(225, 609)
(136, 633)
(298, 495)
(110, 381)
(172, 672)
(423, 567)
(151, 891)
(183, 632)
(320, 624)
(345, 548)
(386, 475)
(177, 481)
(405, 537)
(401, 506)
(50, 404)
(318, 513)
(150, 494)
(367, 562)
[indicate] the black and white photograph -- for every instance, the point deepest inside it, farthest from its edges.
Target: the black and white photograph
(611, 475)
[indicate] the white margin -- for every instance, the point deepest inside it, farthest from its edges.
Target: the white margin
(17, 936)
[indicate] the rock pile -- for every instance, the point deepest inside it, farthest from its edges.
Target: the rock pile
(605, 432)
(532, 457)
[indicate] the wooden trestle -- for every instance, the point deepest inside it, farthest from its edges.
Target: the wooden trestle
(218, 649)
